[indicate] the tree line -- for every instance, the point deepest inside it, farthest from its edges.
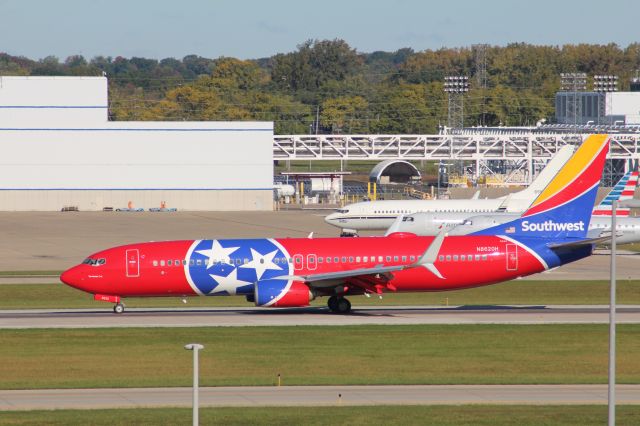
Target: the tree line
(329, 87)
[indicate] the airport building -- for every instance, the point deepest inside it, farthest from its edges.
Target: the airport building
(59, 150)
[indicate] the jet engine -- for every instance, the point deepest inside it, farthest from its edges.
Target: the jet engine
(278, 293)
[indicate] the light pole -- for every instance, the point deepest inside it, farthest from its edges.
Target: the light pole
(456, 86)
(612, 309)
(195, 347)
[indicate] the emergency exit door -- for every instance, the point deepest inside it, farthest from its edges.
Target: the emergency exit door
(133, 263)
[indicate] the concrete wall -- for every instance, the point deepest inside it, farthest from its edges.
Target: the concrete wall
(58, 149)
(53, 101)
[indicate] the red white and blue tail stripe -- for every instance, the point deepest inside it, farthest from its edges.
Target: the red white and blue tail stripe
(623, 190)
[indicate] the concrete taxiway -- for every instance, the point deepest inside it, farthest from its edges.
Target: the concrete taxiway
(316, 396)
(239, 317)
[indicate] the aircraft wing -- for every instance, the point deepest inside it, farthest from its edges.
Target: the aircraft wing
(365, 276)
(330, 276)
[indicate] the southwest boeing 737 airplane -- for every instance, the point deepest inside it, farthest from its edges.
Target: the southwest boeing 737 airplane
(291, 272)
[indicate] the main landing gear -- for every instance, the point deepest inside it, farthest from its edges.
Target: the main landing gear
(339, 305)
(118, 308)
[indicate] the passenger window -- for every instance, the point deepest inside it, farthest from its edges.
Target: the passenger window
(484, 257)
(198, 262)
(413, 258)
(328, 259)
(350, 259)
(344, 259)
(404, 258)
(388, 258)
(455, 257)
(192, 262)
(448, 258)
(395, 258)
(162, 263)
(169, 262)
(477, 257)
(177, 262)
(320, 259)
(155, 263)
(379, 258)
(463, 258)
(365, 259)
(440, 258)
(470, 258)
(336, 259)
(298, 259)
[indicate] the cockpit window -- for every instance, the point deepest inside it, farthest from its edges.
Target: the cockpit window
(94, 262)
(407, 219)
(342, 211)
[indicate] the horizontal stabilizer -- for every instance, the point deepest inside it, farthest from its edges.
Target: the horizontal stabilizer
(578, 243)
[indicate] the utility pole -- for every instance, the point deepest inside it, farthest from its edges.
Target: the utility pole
(480, 60)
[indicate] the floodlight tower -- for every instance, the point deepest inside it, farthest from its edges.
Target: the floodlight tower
(456, 86)
(574, 82)
(604, 84)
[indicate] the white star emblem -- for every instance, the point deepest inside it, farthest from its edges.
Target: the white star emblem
(261, 262)
(218, 253)
(230, 283)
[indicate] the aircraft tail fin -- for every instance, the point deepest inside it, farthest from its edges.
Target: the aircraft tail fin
(623, 190)
(563, 209)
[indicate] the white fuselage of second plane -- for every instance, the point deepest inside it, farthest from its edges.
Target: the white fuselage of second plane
(628, 228)
(379, 215)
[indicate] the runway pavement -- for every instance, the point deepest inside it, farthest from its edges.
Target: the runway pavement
(316, 396)
(238, 317)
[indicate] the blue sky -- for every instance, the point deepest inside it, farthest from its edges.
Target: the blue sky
(253, 29)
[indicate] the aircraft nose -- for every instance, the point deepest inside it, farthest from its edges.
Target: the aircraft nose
(330, 218)
(71, 277)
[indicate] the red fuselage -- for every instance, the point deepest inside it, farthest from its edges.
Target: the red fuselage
(178, 268)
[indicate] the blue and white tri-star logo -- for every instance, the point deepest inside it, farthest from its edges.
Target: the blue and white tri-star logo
(221, 267)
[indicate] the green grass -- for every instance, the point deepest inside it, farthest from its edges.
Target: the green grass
(481, 415)
(519, 292)
(316, 355)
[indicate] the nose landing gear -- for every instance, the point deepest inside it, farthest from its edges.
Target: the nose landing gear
(339, 305)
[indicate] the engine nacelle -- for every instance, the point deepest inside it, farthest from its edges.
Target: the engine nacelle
(278, 293)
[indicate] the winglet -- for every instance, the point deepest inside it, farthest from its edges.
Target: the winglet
(476, 195)
(430, 255)
(310, 236)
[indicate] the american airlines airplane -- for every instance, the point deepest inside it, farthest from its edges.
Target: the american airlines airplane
(379, 215)
(628, 228)
(290, 272)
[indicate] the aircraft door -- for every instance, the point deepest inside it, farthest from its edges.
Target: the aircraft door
(133, 263)
(512, 257)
